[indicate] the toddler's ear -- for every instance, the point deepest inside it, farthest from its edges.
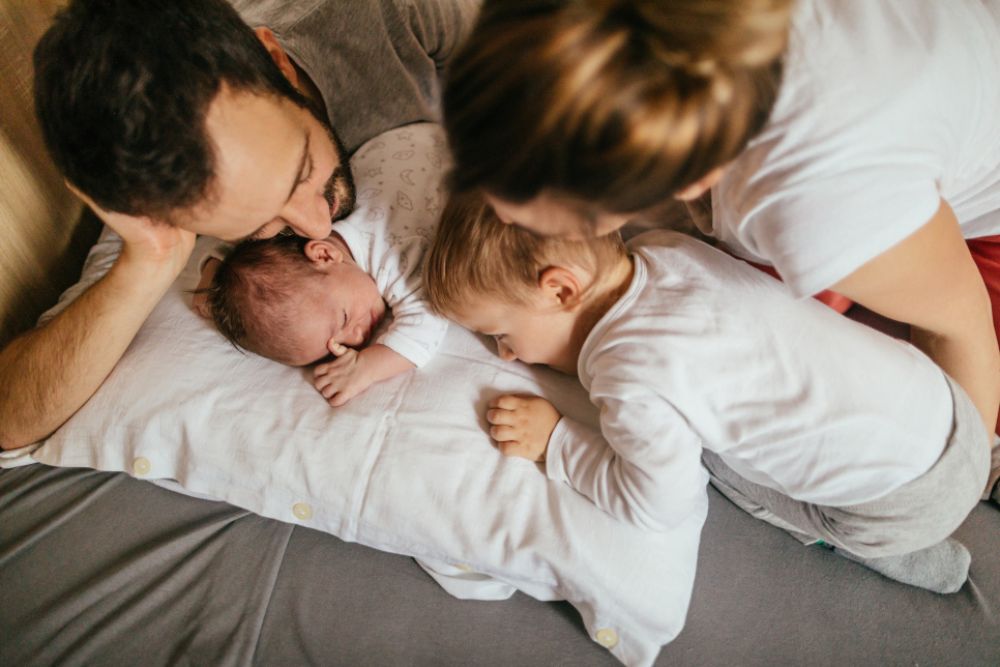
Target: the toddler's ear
(561, 285)
(323, 251)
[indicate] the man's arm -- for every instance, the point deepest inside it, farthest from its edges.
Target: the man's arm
(48, 373)
(930, 282)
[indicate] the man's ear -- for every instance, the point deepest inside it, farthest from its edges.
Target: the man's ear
(323, 252)
(561, 286)
(701, 186)
(278, 55)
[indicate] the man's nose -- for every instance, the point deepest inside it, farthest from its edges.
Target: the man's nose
(308, 214)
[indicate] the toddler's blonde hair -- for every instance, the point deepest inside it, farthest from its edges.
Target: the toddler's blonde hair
(476, 255)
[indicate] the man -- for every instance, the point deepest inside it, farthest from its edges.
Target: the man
(172, 119)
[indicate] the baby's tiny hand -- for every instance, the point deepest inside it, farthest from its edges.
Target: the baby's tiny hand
(341, 379)
(521, 425)
(199, 301)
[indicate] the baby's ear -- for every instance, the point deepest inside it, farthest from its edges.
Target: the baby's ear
(323, 251)
(561, 286)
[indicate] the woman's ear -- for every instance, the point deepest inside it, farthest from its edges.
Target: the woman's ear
(560, 286)
(323, 252)
(701, 186)
(278, 55)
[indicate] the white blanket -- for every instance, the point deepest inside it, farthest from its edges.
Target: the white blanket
(407, 467)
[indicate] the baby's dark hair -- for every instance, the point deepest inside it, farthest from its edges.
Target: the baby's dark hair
(253, 289)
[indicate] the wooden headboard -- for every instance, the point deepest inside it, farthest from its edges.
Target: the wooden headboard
(44, 238)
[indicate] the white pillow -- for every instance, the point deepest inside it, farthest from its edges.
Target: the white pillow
(407, 467)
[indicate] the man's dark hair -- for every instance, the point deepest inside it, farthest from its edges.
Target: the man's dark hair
(122, 88)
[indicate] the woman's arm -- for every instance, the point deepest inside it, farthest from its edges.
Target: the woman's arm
(930, 282)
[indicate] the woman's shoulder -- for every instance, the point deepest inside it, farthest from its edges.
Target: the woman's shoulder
(849, 61)
(844, 60)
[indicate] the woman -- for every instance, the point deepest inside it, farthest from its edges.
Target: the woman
(853, 145)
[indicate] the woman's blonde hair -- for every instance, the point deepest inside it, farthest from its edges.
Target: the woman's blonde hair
(476, 255)
(617, 103)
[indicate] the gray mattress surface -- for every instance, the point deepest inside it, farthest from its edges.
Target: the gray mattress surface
(101, 569)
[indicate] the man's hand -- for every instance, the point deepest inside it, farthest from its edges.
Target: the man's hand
(146, 240)
(199, 300)
(522, 425)
(343, 378)
(47, 373)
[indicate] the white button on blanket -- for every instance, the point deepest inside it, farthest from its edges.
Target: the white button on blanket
(407, 467)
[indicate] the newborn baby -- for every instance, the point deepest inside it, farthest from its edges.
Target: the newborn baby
(299, 301)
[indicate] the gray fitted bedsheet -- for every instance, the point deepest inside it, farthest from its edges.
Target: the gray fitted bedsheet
(102, 569)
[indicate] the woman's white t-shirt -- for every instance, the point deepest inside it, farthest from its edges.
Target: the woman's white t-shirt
(885, 108)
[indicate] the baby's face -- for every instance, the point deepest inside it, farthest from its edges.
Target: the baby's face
(532, 333)
(340, 305)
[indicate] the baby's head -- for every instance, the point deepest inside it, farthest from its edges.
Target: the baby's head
(290, 298)
(537, 296)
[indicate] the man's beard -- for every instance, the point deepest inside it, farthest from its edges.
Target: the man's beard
(339, 189)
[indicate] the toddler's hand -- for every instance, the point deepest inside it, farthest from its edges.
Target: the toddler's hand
(521, 425)
(341, 379)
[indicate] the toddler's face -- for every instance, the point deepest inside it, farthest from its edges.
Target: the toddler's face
(532, 333)
(339, 305)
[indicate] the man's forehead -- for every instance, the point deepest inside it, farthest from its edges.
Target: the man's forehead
(253, 133)
(259, 143)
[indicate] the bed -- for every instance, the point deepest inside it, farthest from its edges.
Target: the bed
(102, 567)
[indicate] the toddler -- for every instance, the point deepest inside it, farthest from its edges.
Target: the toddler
(299, 301)
(826, 428)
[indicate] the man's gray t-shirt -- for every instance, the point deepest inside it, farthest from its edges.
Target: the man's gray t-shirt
(377, 63)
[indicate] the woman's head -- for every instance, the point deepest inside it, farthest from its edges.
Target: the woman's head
(607, 108)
